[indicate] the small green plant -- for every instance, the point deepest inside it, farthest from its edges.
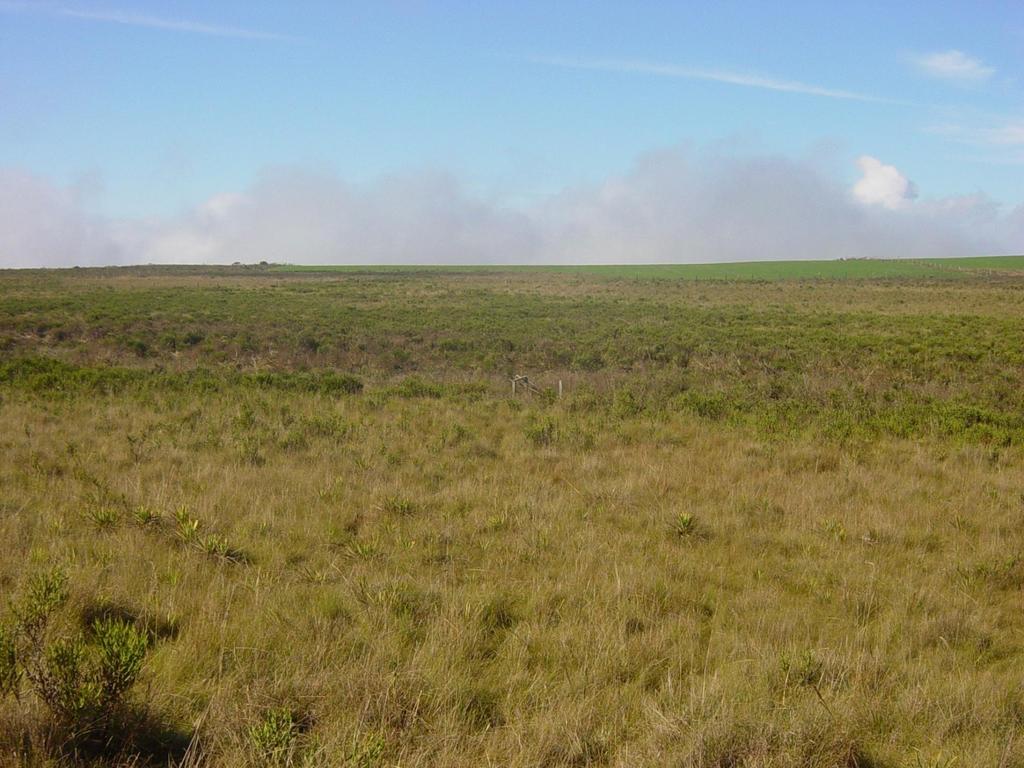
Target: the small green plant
(187, 526)
(215, 545)
(139, 347)
(103, 516)
(273, 737)
(626, 404)
(357, 549)
(145, 516)
(310, 343)
(684, 525)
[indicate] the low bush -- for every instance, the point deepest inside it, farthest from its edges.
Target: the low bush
(84, 678)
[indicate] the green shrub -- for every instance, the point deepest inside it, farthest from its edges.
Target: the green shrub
(62, 681)
(414, 386)
(45, 594)
(708, 405)
(626, 403)
(82, 679)
(542, 431)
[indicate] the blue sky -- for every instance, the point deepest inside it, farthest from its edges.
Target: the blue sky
(148, 109)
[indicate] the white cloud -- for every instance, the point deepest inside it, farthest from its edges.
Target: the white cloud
(671, 206)
(674, 208)
(954, 66)
(882, 184)
(698, 73)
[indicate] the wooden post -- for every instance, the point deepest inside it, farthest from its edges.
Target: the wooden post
(559, 389)
(513, 386)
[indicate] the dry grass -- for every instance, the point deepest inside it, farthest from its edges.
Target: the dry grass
(375, 580)
(482, 601)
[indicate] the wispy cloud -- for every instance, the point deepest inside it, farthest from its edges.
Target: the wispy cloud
(954, 66)
(748, 80)
(132, 19)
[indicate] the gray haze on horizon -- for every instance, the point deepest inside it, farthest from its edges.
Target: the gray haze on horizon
(670, 206)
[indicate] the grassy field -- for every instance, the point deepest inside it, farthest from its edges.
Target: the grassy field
(750, 270)
(270, 517)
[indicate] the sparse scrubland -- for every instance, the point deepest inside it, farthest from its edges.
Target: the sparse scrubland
(260, 517)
